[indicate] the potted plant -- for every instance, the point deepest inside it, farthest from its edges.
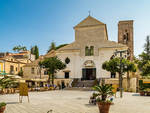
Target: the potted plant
(103, 92)
(142, 91)
(6, 82)
(2, 107)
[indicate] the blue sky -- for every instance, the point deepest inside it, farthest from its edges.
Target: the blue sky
(39, 22)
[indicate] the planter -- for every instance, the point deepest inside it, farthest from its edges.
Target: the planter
(142, 93)
(104, 107)
(148, 93)
(2, 109)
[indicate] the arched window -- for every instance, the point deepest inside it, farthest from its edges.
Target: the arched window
(125, 37)
(86, 51)
(91, 50)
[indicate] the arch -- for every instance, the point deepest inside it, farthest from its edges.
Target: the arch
(89, 63)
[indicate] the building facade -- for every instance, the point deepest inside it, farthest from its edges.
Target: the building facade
(84, 57)
(88, 52)
(12, 63)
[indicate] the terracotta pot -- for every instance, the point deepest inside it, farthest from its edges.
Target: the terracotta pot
(104, 107)
(2, 109)
(142, 93)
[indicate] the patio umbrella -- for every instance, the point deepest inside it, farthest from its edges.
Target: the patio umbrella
(3, 73)
(14, 76)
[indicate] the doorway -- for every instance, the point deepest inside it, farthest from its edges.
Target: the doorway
(88, 73)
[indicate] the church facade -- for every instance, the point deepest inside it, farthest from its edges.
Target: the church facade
(84, 57)
(88, 52)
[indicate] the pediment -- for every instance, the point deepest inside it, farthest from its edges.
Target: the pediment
(89, 21)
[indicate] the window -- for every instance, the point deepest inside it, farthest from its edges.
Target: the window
(67, 60)
(32, 70)
(11, 69)
(86, 51)
(125, 37)
(66, 74)
(45, 72)
(113, 75)
(16, 69)
(89, 51)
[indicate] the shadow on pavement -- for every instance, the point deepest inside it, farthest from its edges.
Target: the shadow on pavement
(12, 102)
(89, 105)
(136, 94)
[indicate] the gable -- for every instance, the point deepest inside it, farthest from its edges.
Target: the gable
(89, 21)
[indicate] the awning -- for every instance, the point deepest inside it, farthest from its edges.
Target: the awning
(146, 81)
(36, 80)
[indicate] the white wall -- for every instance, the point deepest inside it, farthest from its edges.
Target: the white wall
(76, 62)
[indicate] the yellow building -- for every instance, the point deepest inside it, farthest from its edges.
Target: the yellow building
(1, 66)
(12, 63)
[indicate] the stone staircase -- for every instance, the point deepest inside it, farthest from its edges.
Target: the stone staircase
(84, 85)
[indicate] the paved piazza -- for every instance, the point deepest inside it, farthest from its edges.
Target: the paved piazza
(72, 102)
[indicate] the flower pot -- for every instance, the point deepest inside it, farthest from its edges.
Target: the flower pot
(2, 109)
(142, 93)
(148, 93)
(104, 107)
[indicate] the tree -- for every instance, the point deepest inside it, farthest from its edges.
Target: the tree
(35, 51)
(60, 46)
(147, 45)
(52, 65)
(7, 82)
(113, 66)
(52, 47)
(19, 48)
(20, 73)
(144, 59)
(103, 91)
(120, 66)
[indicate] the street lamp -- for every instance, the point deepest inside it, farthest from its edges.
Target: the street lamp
(126, 54)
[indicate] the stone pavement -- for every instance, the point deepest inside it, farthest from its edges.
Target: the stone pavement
(72, 102)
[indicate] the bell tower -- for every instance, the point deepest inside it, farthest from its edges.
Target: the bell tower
(125, 35)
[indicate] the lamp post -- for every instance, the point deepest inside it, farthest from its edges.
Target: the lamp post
(121, 52)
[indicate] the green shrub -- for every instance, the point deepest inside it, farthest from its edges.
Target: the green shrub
(2, 104)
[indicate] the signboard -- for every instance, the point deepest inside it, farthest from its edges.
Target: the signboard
(23, 91)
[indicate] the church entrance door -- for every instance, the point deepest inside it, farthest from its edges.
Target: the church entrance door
(88, 73)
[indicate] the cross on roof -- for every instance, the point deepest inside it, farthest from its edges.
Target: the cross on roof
(89, 13)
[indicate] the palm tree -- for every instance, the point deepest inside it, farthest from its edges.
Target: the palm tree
(103, 91)
(7, 82)
(19, 48)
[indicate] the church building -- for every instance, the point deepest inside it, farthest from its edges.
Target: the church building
(84, 57)
(91, 48)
